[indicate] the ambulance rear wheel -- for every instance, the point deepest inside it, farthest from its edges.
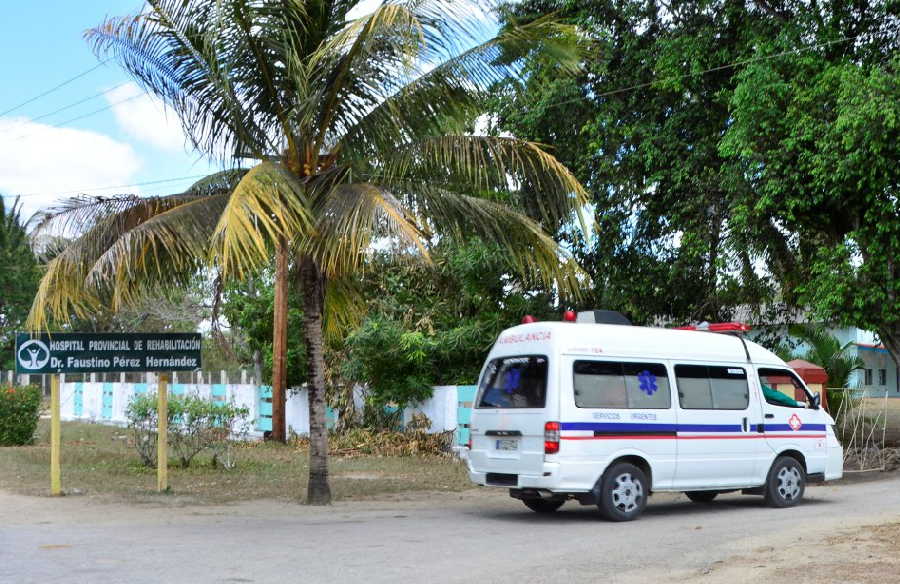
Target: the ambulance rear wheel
(622, 492)
(701, 496)
(786, 482)
(542, 505)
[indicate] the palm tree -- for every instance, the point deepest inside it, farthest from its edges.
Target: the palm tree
(826, 350)
(357, 126)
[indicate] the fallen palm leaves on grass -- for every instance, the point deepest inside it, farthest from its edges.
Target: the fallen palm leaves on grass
(368, 442)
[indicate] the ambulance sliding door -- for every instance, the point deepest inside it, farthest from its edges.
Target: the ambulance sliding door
(718, 442)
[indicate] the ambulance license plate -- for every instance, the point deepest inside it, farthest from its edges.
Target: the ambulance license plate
(508, 444)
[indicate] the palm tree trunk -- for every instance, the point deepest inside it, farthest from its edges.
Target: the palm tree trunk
(313, 290)
(279, 342)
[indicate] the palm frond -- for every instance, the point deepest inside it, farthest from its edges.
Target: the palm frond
(535, 255)
(345, 307)
(443, 88)
(267, 204)
(62, 292)
(350, 218)
(193, 57)
(489, 163)
(125, 248)
(160, 253)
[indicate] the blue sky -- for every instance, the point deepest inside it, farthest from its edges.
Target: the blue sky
(132, 142)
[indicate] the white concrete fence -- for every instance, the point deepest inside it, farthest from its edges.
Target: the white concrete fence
(101, 399)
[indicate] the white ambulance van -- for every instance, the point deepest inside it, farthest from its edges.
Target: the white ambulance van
(606, 414)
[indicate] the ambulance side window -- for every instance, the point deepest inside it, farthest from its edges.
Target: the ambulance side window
(617, 385)
(709, 387)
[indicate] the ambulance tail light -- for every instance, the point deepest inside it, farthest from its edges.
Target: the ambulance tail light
(469, 442)
(551, 437)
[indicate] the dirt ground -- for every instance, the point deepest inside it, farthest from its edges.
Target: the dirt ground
(864, 555)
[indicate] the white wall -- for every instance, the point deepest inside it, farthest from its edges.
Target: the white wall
(441, 408)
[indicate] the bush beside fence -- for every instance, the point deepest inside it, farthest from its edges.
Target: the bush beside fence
(19, 411)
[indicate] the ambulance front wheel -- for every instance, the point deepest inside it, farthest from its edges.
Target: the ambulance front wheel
(785, 483)
(622, 492)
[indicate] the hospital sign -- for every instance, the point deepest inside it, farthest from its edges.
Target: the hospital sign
(107, 352)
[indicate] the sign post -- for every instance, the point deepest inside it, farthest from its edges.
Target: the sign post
(53, 354)
(162, 434)
(55, 482)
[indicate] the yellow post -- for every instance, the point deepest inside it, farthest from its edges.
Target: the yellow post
(55, 484)
(162, 438)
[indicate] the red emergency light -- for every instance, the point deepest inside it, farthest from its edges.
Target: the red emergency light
(716, 327)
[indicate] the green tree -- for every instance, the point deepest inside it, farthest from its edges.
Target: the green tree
(433, 324)
(817, 134)
(357, 124)
(19, 275)
(249, 309)
(641, 129)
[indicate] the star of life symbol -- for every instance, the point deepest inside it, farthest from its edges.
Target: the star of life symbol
(647, 382)
(795, 422)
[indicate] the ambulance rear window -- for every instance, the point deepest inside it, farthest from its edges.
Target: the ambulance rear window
(514, 382)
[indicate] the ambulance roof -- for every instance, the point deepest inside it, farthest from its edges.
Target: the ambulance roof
(627, 341)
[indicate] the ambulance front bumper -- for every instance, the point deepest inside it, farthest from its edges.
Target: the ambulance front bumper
(834, 466)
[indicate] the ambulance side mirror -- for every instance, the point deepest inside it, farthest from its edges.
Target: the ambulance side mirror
(816, 400)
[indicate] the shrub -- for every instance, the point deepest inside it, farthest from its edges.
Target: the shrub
(195, 425)
(19, 411)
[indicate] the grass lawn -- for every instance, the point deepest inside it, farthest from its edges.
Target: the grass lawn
(97, 461)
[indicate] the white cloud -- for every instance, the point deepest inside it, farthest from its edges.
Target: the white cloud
(46, 163)
(146, 118)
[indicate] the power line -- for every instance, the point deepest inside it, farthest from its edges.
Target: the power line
(107, 188)
(73, 104)
(82, 116)
(79, 102)
(97, 111)
(54, 88)
(706, 71)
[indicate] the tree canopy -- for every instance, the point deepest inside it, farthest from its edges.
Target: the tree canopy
(19, 275)
(735, 152)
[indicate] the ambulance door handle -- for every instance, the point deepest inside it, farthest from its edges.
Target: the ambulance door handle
(770, 416)
(744, 424)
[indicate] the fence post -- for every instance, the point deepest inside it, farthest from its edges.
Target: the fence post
(223, 377)
(243, 377)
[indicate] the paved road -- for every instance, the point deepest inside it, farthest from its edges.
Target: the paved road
(471, 537)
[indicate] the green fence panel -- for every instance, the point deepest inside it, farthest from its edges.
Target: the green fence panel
(264, 399)
(465, 395)
(106, 403)
(78, 400)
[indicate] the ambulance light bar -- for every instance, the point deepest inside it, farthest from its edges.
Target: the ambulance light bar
(716, 327)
